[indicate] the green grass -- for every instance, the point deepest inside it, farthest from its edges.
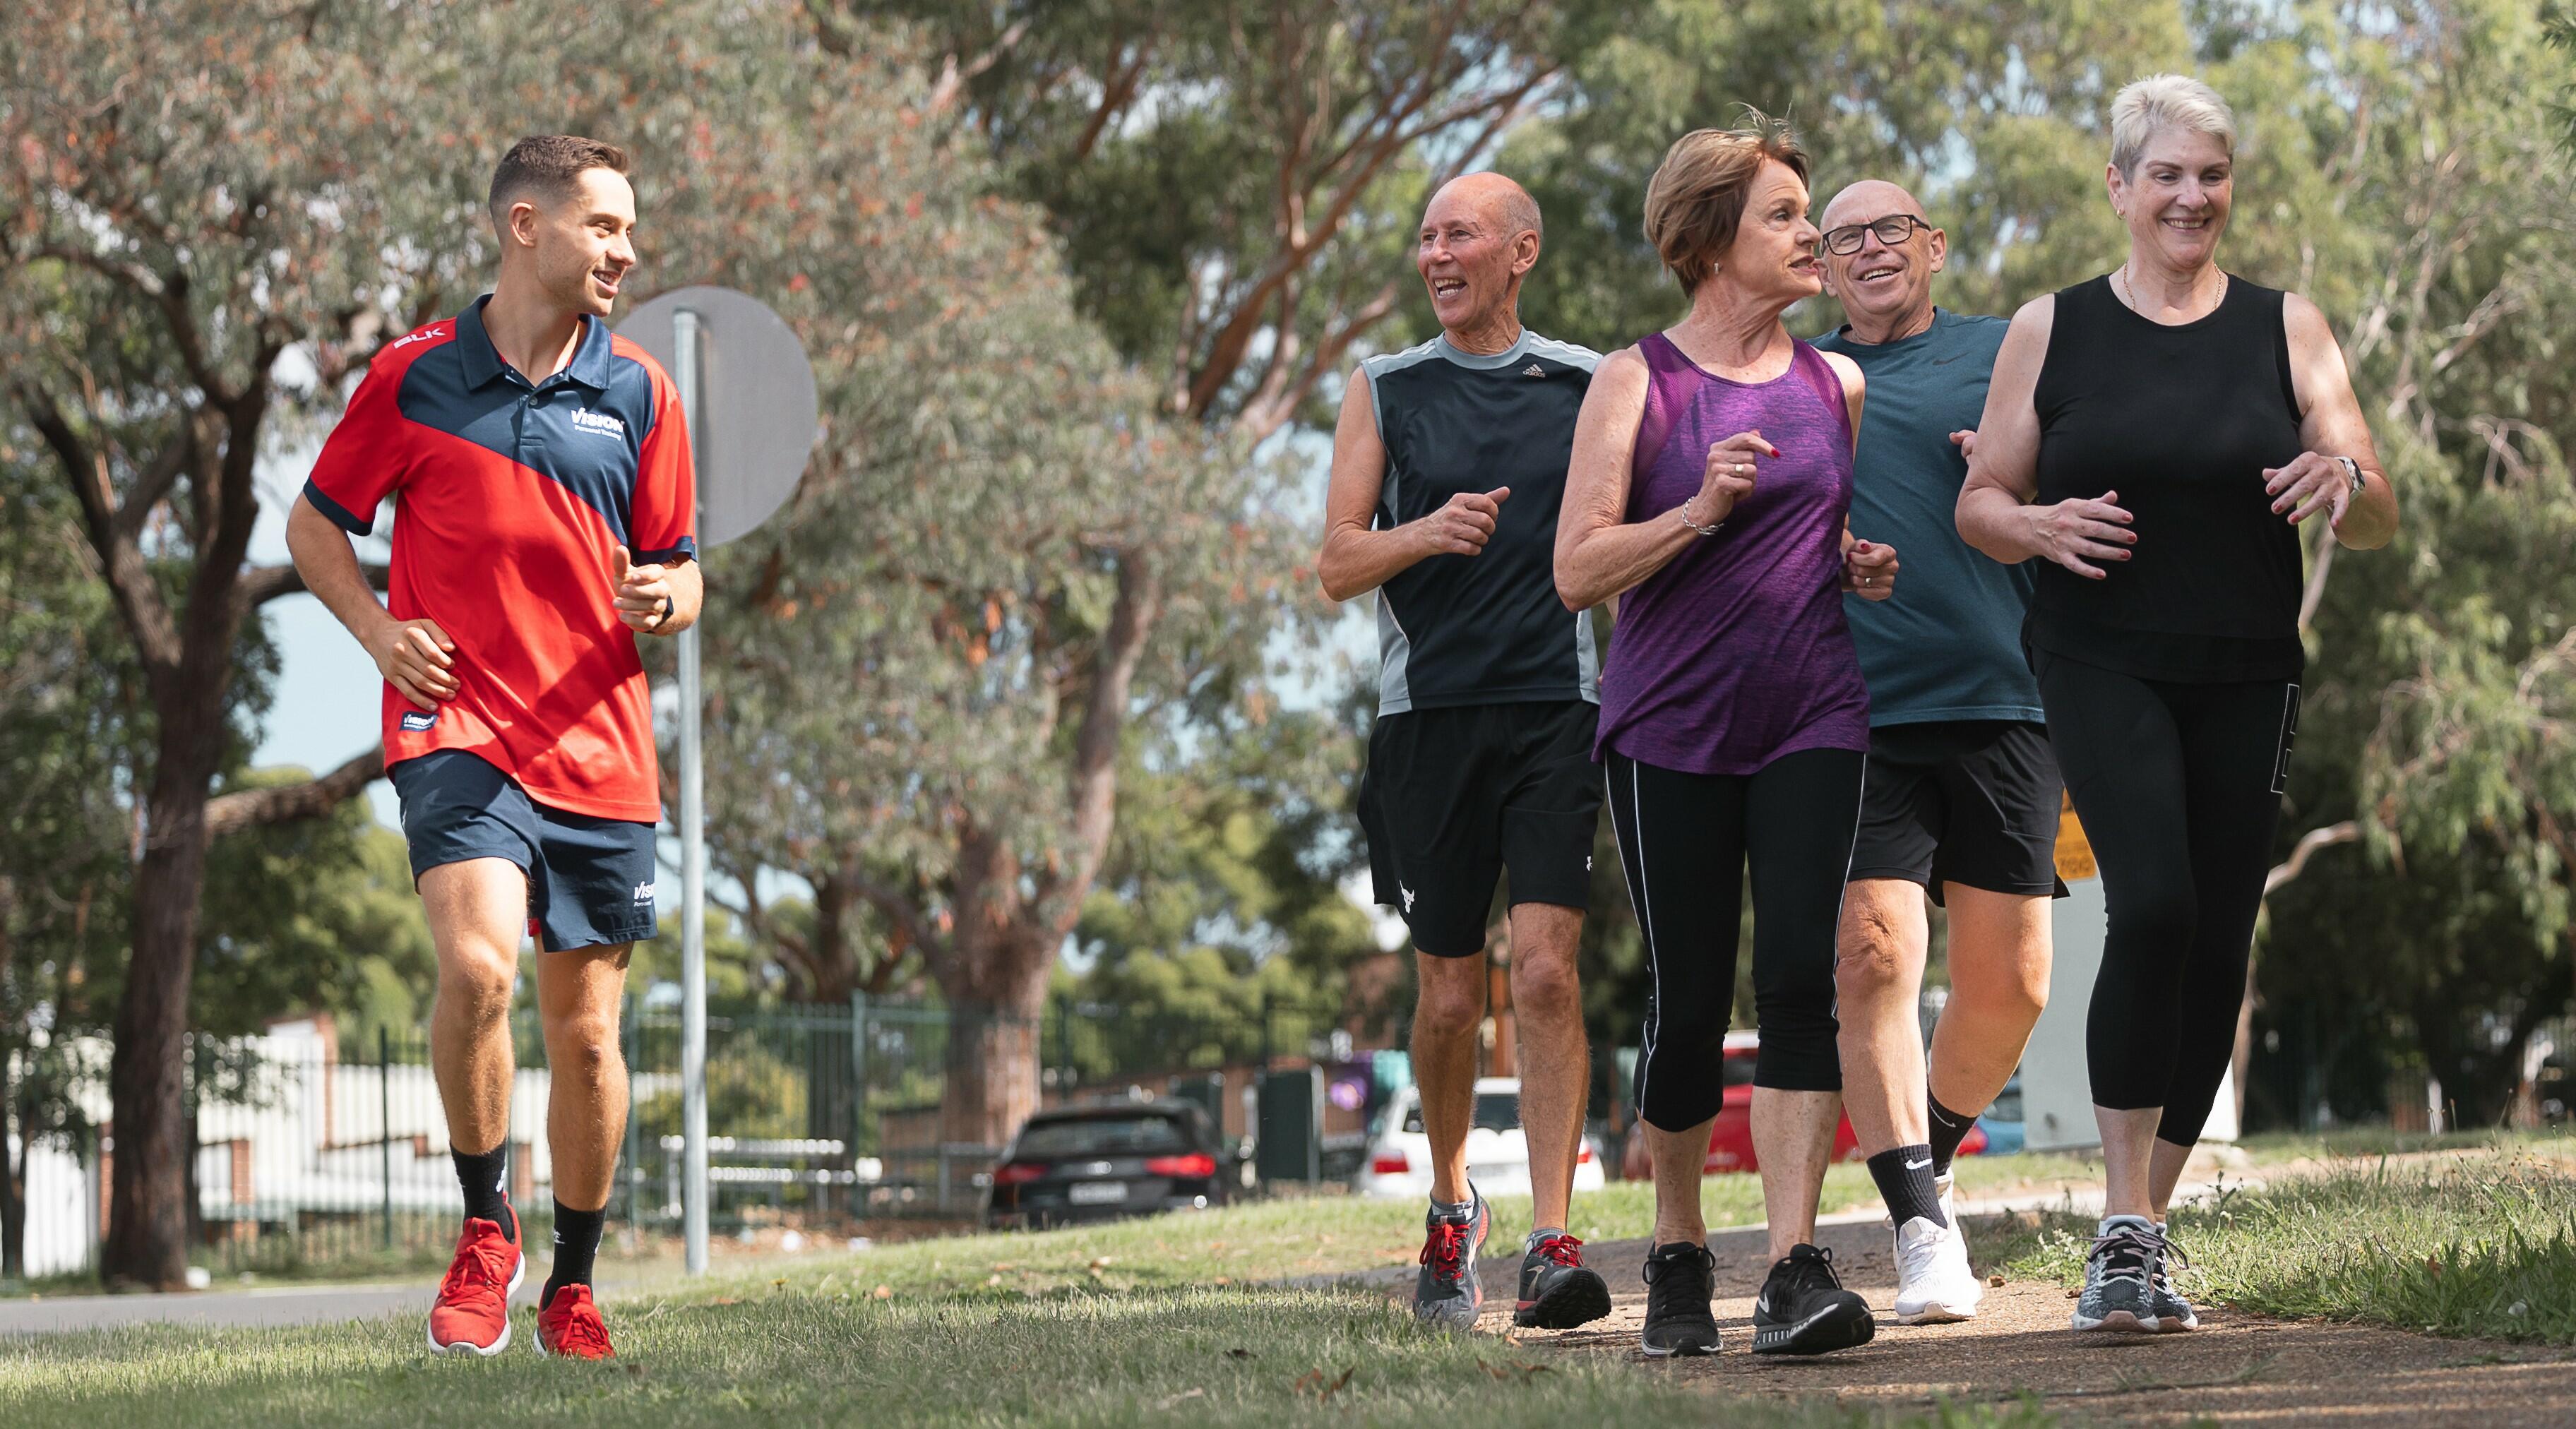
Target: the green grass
(1187, 1358)
(2482, 1246)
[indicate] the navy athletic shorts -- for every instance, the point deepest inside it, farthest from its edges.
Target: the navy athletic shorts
(1971, 802)
(590, 880)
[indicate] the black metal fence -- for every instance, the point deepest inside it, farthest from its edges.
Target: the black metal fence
(317, 1151)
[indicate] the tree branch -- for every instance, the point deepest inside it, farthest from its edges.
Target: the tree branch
(129, 582)
(231, 813)
(1104, 719)
(262, 584)
(2349, 831)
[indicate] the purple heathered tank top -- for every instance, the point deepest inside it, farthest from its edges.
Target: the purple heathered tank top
(1736, 653)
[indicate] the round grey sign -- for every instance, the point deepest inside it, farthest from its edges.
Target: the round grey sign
(753, 422)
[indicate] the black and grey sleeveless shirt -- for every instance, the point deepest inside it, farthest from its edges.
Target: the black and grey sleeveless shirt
(1488, 628)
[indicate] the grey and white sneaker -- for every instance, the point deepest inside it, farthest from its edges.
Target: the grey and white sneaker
(2173, 1310)
(1447, 1293)
(2119, 1277)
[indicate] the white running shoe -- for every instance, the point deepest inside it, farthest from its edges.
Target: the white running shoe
(1933, 1283)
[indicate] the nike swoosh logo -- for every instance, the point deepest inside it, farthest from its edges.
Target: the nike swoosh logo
(1946, 361)
(1916, 1165)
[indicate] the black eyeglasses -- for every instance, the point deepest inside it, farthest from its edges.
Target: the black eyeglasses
(1891, 230)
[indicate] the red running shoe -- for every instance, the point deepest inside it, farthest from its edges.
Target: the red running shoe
(569, 1325)
(472, 1313)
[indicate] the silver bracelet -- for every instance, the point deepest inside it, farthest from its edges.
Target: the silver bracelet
(2352, 471)
(1683, 511)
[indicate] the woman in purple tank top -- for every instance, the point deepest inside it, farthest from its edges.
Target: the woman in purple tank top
(1708, 495)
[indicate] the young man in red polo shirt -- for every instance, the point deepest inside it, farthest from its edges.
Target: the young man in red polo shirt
(540, 470)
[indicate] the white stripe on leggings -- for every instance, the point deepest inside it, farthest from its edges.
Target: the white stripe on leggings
(1645, 926)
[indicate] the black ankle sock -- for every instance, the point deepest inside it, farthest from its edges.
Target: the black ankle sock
(485, 1175)
(1949, 1128)
(1904, 1178)
(576, 1248)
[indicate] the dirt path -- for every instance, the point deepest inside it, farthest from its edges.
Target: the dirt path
(2236, 1369)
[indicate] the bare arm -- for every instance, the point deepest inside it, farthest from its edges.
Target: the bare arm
(1996, 514)
(2330, 425)
(415, 656)
(1599, 553)
(1357, 559)
(1869, 567)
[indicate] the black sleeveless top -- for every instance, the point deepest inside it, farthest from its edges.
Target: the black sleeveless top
(2180, 421)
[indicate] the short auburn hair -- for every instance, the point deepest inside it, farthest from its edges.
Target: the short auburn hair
(548, 165)
(1696, 198)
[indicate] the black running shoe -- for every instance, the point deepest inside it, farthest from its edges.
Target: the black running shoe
(1804, 1310)
(1558, 1291)
(1679, 1278)
(1446, 1293)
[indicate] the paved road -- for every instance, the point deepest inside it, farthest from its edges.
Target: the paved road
(281, 1305)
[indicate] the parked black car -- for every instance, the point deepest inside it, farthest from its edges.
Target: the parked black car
(1102, 1162)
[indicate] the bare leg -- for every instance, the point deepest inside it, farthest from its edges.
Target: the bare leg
(477, 910)
(2128, 1150)
(1555, 1061)
(1446, 1014)
(1999, 959)
(1878, 982)
(577, 1000)
(2164, 1172)
(1681, 1159)
(1793, 1138)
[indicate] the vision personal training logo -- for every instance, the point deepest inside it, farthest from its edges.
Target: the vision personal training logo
(600, 422)
(417, 721)
(644, 892)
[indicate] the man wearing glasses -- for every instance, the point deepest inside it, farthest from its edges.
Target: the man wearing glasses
(1959, 805)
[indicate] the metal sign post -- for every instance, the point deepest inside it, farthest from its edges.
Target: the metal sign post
(693, 858)
(747, 394)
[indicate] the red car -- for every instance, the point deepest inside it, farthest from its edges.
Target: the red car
(1730, 1140)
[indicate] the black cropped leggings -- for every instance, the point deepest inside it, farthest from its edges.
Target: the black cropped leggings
(1684, 842)
(2179, 788)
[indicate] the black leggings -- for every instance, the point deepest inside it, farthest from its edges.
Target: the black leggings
(1684, 840)
(2179, 788)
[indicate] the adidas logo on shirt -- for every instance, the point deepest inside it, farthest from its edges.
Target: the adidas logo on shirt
(600, 422)
(1533, 370)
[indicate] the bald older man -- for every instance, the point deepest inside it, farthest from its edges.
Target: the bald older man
(1448, 469)
(1960, 802)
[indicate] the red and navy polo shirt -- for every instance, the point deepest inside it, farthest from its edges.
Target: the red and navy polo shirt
(510, 499)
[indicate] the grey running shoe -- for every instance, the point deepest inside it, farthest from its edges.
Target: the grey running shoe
(1804, 1310)
(1558, 1291)
(1446, 1293)
(2119, 1291)
(1680, 1277)
(2173, 1311)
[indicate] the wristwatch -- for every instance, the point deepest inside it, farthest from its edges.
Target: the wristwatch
(663, 615)
(2352, 469)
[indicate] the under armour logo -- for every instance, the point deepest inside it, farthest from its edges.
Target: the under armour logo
(1533, 370)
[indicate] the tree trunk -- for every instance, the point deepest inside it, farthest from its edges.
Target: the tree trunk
(995, 983)
(13, 1181)
(147, 1222)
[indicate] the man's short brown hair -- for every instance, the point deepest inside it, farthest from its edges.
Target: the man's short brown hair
(1697, 195)
(548, 166)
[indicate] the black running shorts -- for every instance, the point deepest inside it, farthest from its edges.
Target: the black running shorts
(1453, 797)
(1971, 802)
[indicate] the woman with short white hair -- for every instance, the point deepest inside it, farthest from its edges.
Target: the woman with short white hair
(2158, 435)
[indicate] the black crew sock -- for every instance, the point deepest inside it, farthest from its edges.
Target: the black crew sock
(576, 1248)
(485, 1175)
(1949, 1128)
(1904, 1178)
